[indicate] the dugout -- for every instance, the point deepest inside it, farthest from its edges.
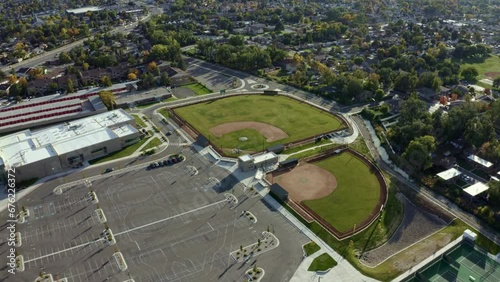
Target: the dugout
(279, 192)
(202, 140)
(289, 163)
(277, 149)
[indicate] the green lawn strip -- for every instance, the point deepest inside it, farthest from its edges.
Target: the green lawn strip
(120, 154)
(170, 99)
(360, 146)
(310, 248)
(357, 192)
(138, 121)
(198, 88)
(312, 152)
(322, 263)
(305, 146)
(152, 144)
(490, 64)
(455, 229)
(164, 112)
(298, 120)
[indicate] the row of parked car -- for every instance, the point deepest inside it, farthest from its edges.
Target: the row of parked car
(170, 161)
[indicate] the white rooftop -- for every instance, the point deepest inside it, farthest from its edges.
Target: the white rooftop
(449, 174)
(476, 189)
(30, 146)
(480, 161)
(84, 141)
(84, 10)
(245, 158)
(264, 157)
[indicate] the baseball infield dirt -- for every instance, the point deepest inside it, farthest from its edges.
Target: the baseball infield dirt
(272, 133)
(492, 74)
(307, 182)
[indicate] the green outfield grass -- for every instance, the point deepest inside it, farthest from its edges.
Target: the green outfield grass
(298, 120)
(490, 64)
(357, 192)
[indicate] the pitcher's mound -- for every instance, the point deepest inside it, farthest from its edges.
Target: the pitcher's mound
(307, 182)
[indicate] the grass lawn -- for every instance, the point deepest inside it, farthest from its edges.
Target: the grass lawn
(322, 263)
(374, 236)
(357, 192)
(360, 146)
(138, 121)
(298, 120)
(312, 152)
(310, 248)
(121, 154)
(198, 88)
(305, 146)
(255, 140)
(490, 64)
(152, 144)
(164, 112)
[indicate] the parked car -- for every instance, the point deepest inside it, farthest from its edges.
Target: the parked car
(109, 169)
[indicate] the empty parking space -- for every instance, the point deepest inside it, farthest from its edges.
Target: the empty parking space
(169, 224)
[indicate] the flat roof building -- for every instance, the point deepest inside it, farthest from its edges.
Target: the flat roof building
(480, 161)
(248, 162)
(47, 110)
(449, 174)
(35, 154)
(83, 10)
(476, 189)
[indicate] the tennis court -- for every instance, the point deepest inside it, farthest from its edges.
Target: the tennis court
(464, 263)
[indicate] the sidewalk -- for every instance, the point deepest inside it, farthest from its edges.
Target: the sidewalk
(344, 271)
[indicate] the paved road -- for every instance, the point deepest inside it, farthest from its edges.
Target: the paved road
(42, 58)
(431, 196)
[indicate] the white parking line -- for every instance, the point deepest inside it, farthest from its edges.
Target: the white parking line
(168, 218)
(64, 250)
(137, 245)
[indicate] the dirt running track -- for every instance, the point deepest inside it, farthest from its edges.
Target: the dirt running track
(271, 132)
(307, 182)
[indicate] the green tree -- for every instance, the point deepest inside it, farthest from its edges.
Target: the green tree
(418, 152)
(106, 81)
(164, 79)
(279, 26)
(64, 58)
(479, 130)
(70, 87)
(470, 74)
(405, 82)
(494, 192)
(108, 99)
(496, 82)
(379, 94)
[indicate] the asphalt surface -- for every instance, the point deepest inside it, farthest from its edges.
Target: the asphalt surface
(169, 224)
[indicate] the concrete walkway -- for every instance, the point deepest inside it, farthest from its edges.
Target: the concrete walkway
(339, 140)
(344, 271)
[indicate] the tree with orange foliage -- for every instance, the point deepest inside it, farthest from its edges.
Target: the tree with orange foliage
(131, 76)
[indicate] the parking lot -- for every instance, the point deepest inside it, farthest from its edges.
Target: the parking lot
(171, 223)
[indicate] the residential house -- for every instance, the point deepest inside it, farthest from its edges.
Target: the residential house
(427, 94)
